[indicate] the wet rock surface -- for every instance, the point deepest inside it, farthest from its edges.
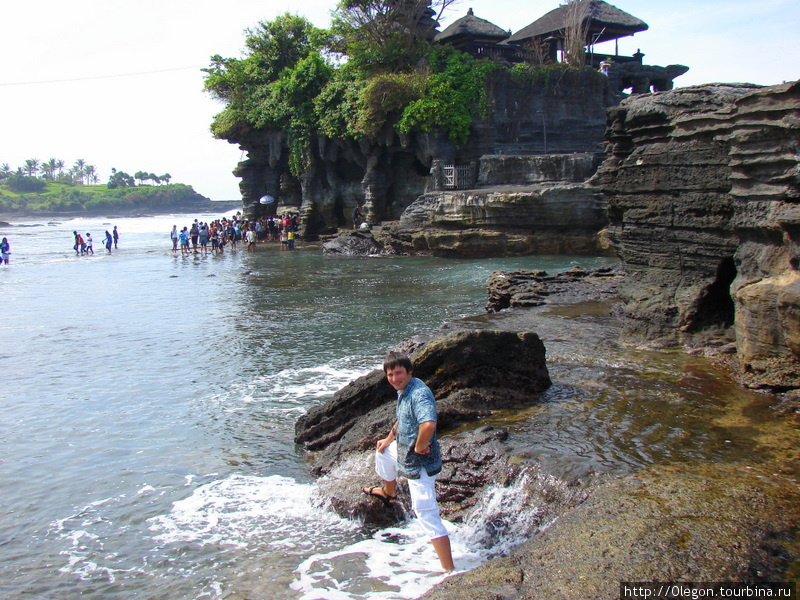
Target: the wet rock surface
(666, 523)
(474, 465)
(519, 289)
(353, 243)
(470, 462)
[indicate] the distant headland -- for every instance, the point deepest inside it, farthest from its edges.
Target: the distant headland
(48, 188)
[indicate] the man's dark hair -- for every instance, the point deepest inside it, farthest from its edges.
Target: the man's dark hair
(397, 359)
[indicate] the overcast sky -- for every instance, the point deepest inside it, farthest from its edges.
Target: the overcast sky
(118, 83)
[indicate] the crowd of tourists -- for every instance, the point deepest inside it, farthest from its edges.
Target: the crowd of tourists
(200, 237)
(203, 237)
(85, 245)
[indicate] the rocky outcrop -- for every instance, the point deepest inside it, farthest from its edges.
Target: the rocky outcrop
(470, 372)
(549, 219)
(542, 207)
(642, 79)
(521, 289)
(353, 243)
(558, 112)
(702, 186)
(765, 176)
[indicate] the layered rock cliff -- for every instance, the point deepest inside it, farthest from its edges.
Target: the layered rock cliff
(519, 205)
(703, 190)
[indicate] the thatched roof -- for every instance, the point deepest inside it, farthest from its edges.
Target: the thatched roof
(473, 27)
(604, 19)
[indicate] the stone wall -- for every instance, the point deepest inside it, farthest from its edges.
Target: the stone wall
(499, 169)
(702, 186)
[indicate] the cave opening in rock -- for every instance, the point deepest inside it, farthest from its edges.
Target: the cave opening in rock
(715, 307)
(338, 212)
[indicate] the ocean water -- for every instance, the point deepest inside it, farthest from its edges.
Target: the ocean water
(147, 413)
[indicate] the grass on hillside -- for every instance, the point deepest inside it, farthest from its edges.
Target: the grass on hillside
(61, 197)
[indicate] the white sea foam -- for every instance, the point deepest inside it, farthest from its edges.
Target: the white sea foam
(336, 562)
(244, 510)
(292, 389)
(399, 563)
(256, 517)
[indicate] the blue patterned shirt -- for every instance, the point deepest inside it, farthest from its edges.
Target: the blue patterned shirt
(416, 405)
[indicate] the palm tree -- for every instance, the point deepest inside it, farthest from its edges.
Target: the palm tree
(91, 174)
(32, 166)
(59, 166)
(79, 169)
(5, 171)
(49, 168)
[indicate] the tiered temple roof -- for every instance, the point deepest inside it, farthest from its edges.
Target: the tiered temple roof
(470, 28)
(603, 21)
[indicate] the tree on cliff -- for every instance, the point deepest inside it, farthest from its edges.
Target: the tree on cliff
(273, 87)
(386, 35)
(389, 73)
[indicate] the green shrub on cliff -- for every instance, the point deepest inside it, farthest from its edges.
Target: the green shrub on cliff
(337, 105)
(454, 90)
(389, 74)
(550, 75)
(288, 83)
(274, 86)
(383, 98)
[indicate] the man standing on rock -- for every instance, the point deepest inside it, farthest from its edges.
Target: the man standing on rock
(357, 217)
(411, 449)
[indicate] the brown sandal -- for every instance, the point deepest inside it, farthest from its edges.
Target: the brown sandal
(385, 498)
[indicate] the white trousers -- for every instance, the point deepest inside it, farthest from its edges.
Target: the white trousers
(423, 492)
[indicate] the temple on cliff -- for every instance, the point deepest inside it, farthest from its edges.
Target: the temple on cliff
(545, 41)
(518, 186)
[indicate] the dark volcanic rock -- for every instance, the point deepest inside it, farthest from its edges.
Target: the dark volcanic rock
(353, 243)
(326, 424)
(475, 465)
(471, 461)
(518, 289)
(471, 373)
(508, 367)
